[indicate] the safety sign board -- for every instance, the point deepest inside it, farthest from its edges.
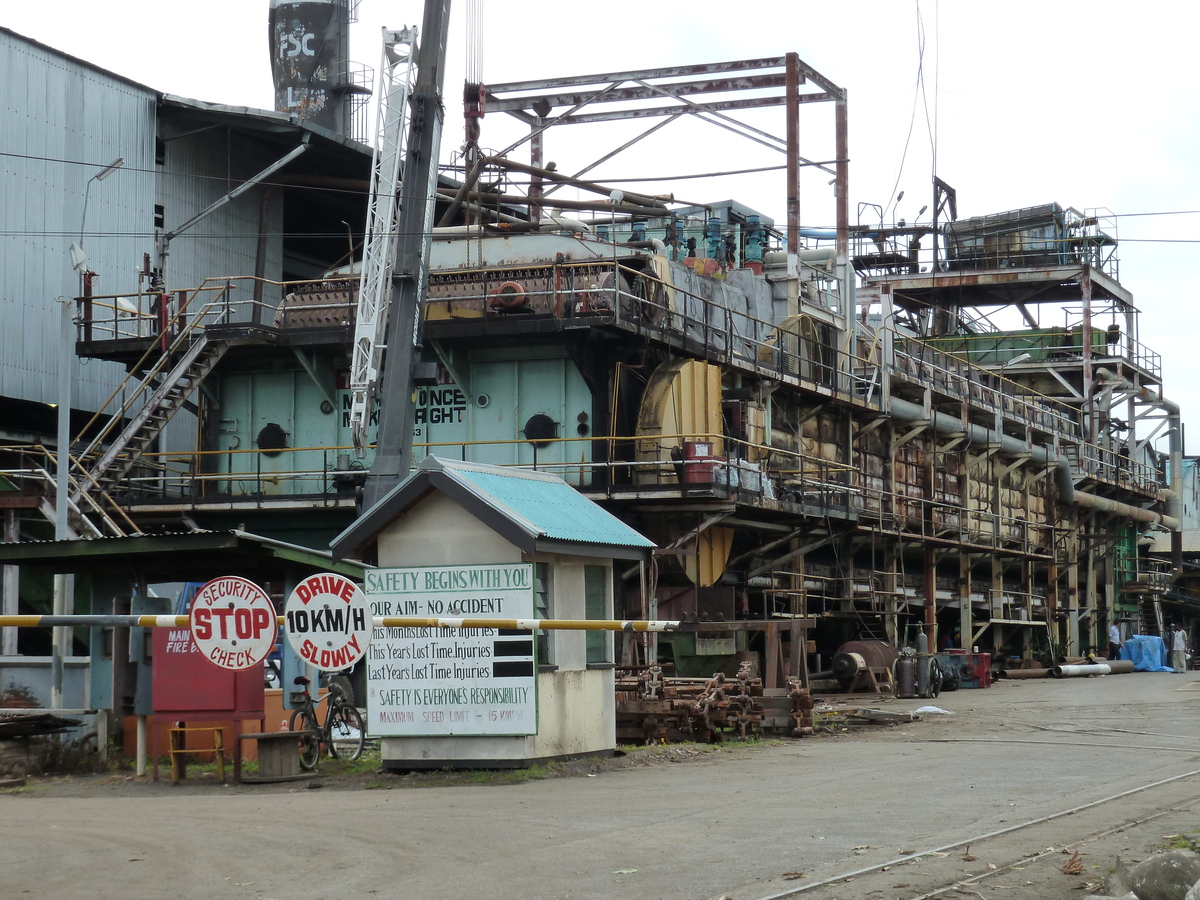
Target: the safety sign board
(233, 622)
(328, 621)
(429, 681)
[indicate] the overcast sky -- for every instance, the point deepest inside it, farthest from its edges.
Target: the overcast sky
(1088, 105)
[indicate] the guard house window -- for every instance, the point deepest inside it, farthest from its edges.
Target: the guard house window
(541, 610)
(596, 606)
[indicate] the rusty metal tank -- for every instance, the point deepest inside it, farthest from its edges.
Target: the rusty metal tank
(875, 654)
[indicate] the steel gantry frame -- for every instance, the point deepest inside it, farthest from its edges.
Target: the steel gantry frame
(775, 81)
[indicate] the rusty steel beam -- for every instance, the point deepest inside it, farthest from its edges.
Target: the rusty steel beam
(593, 187)
(744, 65)
(652, 112)
(841, 151)
(640, 92)
(484, 197)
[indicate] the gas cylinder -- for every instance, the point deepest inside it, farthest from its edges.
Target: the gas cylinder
(906, 680)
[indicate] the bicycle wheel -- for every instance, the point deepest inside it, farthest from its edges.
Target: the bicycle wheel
(341, 690)
(347, 733)
(310, 747)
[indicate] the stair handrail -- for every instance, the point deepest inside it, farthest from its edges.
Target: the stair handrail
(78, 493)
(185, 335)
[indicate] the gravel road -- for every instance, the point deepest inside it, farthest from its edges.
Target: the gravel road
(689, 824)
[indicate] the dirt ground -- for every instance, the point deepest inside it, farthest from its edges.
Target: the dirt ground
(1026, 773)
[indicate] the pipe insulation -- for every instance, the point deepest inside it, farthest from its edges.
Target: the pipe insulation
(905, 411)
(1081, 671)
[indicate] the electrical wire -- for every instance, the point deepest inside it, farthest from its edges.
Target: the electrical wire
(912, 116)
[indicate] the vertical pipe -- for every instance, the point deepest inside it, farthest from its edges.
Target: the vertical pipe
(62, 496)
(930, 599)
(260, 251)
(11, 587)
(140, 752)
(1085, 286)
(1052, 603)
(842, 167)
(535, 180)
(102, 734)
(1073, 597)
(792, 62)
(846, 295)
(1090, 603)
(87, 305)
(966, 630)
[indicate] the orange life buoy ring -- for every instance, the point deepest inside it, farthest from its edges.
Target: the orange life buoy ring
(509, 295)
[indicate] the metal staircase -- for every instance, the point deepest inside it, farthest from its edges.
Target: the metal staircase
(161, 396)
(149, 404)
(1151, 616)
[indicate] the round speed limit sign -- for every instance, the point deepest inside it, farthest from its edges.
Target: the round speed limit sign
(328, 621)
(233, 622)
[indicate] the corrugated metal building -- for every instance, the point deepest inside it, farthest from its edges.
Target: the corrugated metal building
(166, 211)
(66, 121)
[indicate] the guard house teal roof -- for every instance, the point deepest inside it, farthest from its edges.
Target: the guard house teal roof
(533, 510)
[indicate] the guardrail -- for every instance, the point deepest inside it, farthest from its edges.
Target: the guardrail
(1047, 346)
(920, 362)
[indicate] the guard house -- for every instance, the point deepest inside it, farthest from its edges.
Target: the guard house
(474, 540)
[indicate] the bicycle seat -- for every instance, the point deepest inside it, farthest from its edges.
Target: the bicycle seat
(300, 679)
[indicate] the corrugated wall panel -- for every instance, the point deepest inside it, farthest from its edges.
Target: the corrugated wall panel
(200, 169)
(64, 123)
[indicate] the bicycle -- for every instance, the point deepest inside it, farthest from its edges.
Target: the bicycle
(343, 735)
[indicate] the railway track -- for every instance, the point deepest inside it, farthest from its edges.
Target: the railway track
(987, 857)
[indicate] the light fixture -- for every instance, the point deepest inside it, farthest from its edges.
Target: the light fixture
(1017, 360)
(110, 168)
(78, 258)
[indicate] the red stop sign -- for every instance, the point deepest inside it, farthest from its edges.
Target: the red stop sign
(233, 622)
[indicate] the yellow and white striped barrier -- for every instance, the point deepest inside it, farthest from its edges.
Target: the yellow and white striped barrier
(87, 621)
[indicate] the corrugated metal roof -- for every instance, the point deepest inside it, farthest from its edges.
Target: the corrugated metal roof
(552, 507)
(533, 510)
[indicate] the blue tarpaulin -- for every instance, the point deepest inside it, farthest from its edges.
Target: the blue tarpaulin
(1148, 652)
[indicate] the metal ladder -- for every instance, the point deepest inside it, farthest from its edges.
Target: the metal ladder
(1151, 616)
(396, 74)
(164, 389)
(162, 395)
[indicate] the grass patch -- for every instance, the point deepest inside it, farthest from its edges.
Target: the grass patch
(366, 764)
(1183, 841)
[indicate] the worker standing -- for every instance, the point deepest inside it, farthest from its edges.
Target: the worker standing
(1114, 641)
(1179, 649)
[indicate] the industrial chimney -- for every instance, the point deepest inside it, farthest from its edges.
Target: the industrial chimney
(314, 78)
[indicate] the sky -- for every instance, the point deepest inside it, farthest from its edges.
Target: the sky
(1025, 103)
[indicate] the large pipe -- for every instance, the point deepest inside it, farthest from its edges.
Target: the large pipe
(942, 423)
(1081, 671)
(1120, 666)
(1174, 448)
(1024, 673)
